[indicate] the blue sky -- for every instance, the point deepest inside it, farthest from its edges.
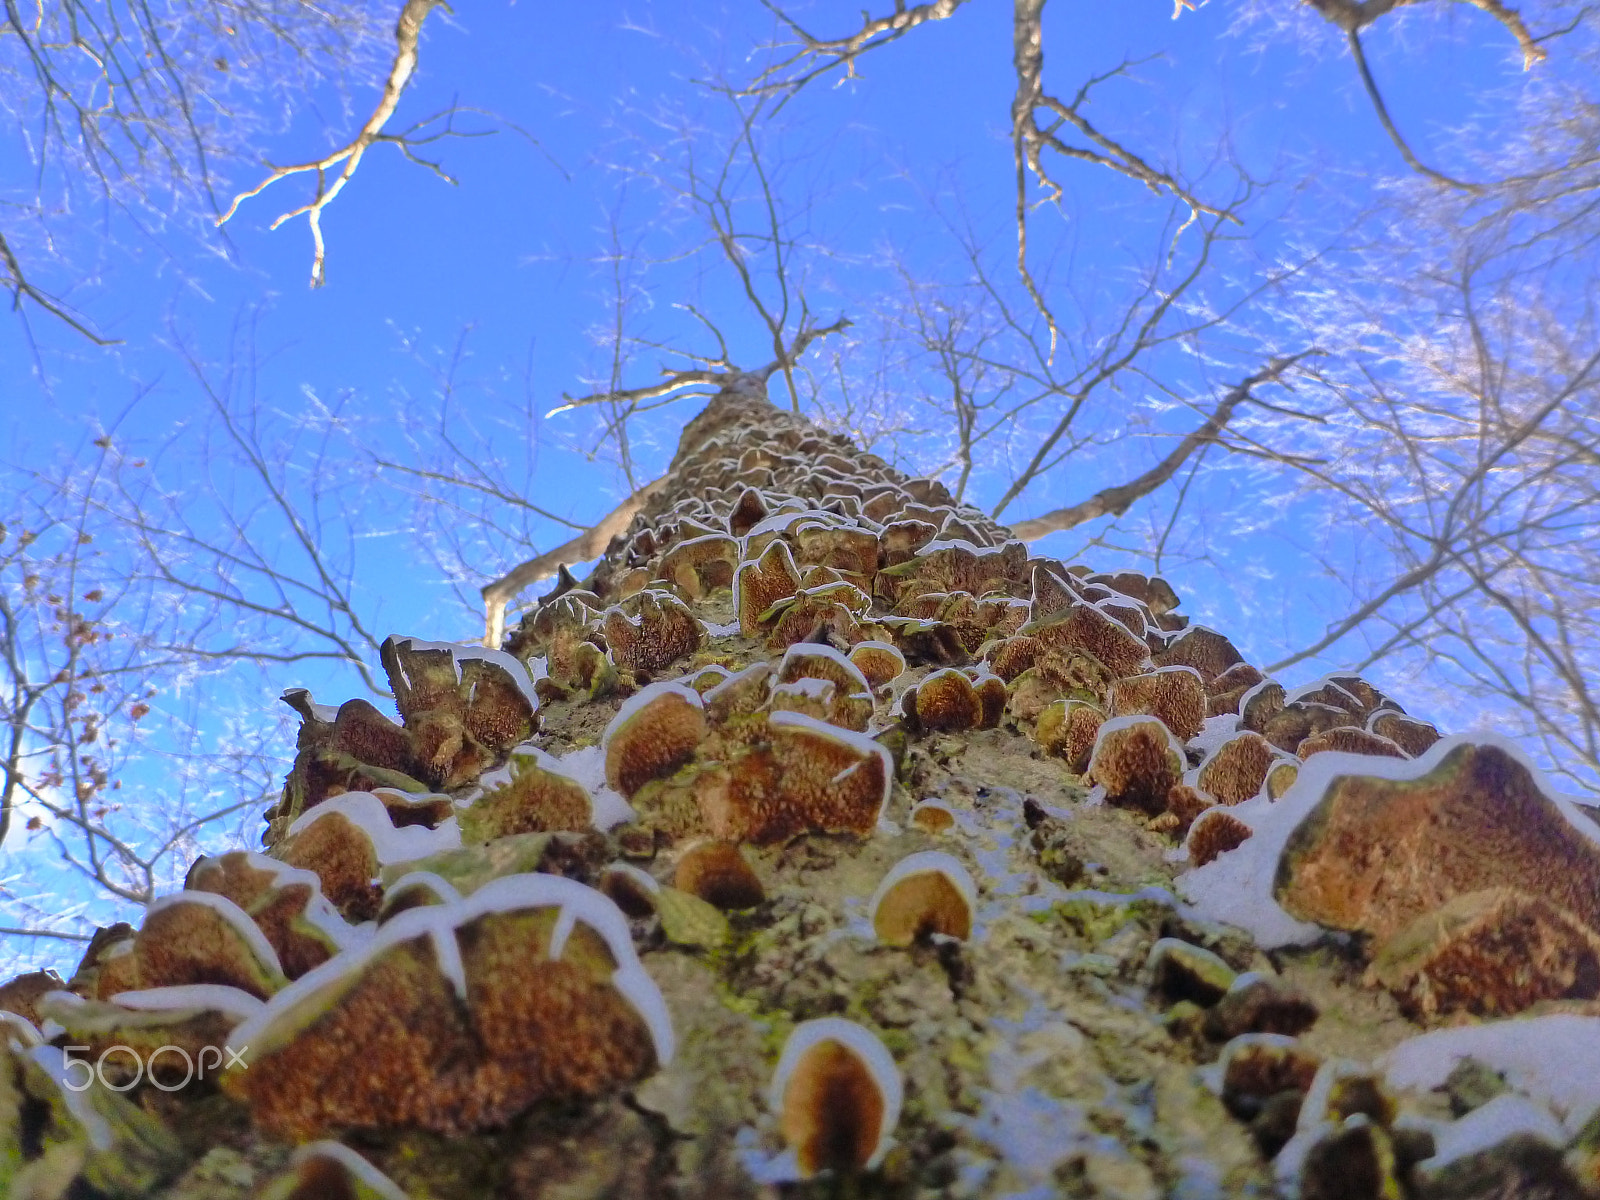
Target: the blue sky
(505, 272)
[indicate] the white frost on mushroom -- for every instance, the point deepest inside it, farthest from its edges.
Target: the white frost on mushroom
(1553, 1059)
(866, 1047)
(460, 653)
(359, 1168)
(587, 765)
(1214, 731)
(278, 1019)
(793, 665)
(926, 862)
(319, 911)
(196, 997)
(249, 932)
(1486, 1126)
(442, 890)
(368, 814)
(19, 1031)
(1236, 887)
(644, 696)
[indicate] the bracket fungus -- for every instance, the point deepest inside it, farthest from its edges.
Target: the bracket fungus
(1184, 806)
(1174, 695)
(740, 695)
(1257, 1003)
(285, 902)
(1494, 952)
(1084, 627)
(1224, 693)
(1215, 832)
(347, 840)
(1281, 777)
(463, 706)
(1257, 1066)
(748, 511)
(1206, 650)
(761, 582)
(923, 894)
(831, 605)
(458, 1016)
(837, 1094)
(1180, 970)
(22, 994)
(953, 699)
(717, 873)
(809, 776)
(328, 1170)
(1237, 769)
(530, 794)
(844, 697)
(701, 565)
(1364, 856)
(631, 889)
(356, 749)
(654, 733)
(1259, 704)
(1068, 729)
(933, 816)
(1349, 740)
(879, 662)
(1136, 760)
(651, 630)
(1411, 735)
(187, 938)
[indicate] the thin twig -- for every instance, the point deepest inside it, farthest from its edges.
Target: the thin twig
(1117, 500)
(407, 34)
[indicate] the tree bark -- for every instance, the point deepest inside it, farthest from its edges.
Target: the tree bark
(839, 748)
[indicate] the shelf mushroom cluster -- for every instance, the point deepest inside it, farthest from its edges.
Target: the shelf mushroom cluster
(453, 920)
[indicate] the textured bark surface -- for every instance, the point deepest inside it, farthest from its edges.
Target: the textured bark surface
(800, 668)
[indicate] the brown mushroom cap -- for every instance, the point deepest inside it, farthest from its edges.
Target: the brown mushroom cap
(654, 733)
(1215, 832)
(716, 872)
(837, 1094)
(923, 894)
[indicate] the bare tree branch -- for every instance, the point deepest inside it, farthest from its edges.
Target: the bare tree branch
(7, 931)
(1382, 109)
(1029, 141)
(1354, 15)
(589, 544)
(680, 381)
(20, 288)
(1116, 500)
(407, 33)
(786, 75)
(498, 494)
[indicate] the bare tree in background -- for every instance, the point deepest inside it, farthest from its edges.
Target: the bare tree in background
(87, 811)
(1466, 353)
(150, 597)
(146, 113)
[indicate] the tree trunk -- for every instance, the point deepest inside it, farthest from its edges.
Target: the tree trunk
(800, 669)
